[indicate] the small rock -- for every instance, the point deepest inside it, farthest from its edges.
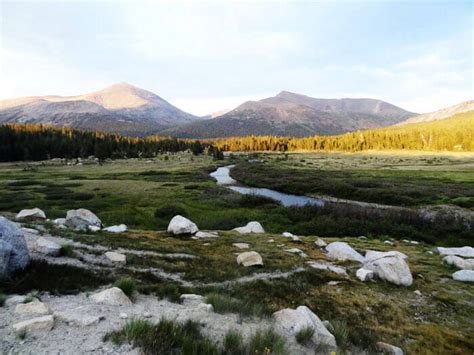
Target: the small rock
(206, 235)
(123, 315)
(116, 257)
(30, 230)
(417, 292)
(190, 299)
(389, 349)
(78, 317)
(44, 323)
(111, 296)
(249, 258)
(82, 219)
(365, 275)
(121, 228)
(241, 245)
(297, 252)
(460, 263)
(251, 227)
(181, 225)
(206, 307)
(59, 221)
(327, 267)
(392, 269)
(33, 214)
(35, 306)
(293, 237)
(389, 242)
(47, 247)
(343, 251)
(90, 228)
(414, 242)
(362, 237)
(146, 315)
(464, 275)
(271, 240)
(320, 243)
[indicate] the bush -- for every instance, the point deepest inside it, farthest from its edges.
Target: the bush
(267, 341)
(169, 211)
(304, 335)
(68, 250)
(127, 285)
(233, 343)
(3, 298)
(226, 304)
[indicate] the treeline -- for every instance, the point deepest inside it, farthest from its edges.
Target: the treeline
(38, 142)
(452, 134)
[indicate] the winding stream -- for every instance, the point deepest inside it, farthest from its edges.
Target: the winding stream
(222, 176)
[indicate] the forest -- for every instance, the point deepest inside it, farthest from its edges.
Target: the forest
(453, 134)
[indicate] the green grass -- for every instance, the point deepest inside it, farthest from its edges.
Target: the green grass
(303, 336)
(127, 285)
(225, 304)
(233, 343)
(267, 342)
(22, 334)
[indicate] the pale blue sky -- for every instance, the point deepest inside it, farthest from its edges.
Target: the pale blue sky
(208, 56)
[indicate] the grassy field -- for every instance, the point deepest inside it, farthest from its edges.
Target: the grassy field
(145, 195)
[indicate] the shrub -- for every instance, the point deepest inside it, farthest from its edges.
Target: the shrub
(3, 298)
(226, 304)
(169, 211)
(267, 341)
(304, 335)
(68, 250)
(127, 285)
(22, 334)
(233, 343)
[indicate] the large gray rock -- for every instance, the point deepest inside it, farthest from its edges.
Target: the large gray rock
(111, 296)
(44, 323)
(13, 249)
(35, 306)
(373, 254)
(290, 321)
(181, 225)
(343, 251)
(33, 214)
(392, 269)
(115, 257)
(465, 252)
(464, 275)
(249, 258)
(460, 263)
(82, 219)
(251, 227)
(389, 349)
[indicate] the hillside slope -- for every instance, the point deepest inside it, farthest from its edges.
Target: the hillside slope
(441, 114)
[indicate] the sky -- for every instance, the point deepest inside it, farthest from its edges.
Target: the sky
(209, 56)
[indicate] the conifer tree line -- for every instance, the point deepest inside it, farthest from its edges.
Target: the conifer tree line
(39, 142)
(453, 134)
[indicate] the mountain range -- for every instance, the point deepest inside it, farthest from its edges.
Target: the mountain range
(126, 109)
(121, 108)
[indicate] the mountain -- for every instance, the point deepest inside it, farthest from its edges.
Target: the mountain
(441, 114)
(290, 114)
(121, 108)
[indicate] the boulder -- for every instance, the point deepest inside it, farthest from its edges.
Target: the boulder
(251, 227)
(290, 321)
(388, 349)
(343, 251)
(249, 258)
(30, 230)
(116, 229)
(206, 235)
(34, 214)
(181, 225)
(47, 247)
(44, 323)
(297, 252)
(35, 306)
(293, 237)
(465, 252)
(116, 257)
(319, 243)
(392, 269)
(82, 219)
(464, 275)
(111, 296)
(460, 263)
(365, 275)
(14, 300)
(13, 249)
(373, 254)
(241, 245)
(78, 317)
(59, 221)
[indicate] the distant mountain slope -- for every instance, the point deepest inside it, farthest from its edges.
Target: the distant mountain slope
(289, 114)
(121, 108)
(441, 114)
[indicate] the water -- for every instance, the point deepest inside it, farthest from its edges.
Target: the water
(222, 176)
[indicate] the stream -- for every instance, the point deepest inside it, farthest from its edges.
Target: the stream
(222, 176)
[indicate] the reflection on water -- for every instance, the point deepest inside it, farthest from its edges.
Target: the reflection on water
(222, 175)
